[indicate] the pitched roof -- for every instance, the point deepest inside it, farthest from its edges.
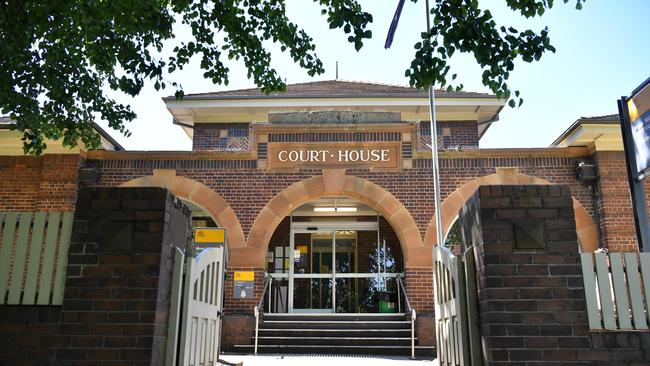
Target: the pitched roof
(7, 122)
(332, 89)
(597, 120)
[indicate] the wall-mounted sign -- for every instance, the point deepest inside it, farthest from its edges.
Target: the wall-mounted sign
(294, 155)
(243, 285)
(634, 114)
(638, 106)
(208, 237)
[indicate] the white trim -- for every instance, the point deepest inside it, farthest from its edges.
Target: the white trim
(331, 102)
(302, 227)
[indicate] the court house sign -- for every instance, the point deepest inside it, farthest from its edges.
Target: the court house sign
(284, 156)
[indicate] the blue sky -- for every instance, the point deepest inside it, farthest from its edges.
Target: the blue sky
(603, 52)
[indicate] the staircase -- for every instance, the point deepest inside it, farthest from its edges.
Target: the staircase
(370, 334)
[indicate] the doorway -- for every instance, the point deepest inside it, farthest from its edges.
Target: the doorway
(339, 267)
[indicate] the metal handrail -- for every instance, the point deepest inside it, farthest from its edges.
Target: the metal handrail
(400, 286)
(258, 309)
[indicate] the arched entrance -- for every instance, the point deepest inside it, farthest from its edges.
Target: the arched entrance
(336, 244)
(200, 195)
(586, 229)
(334, 182)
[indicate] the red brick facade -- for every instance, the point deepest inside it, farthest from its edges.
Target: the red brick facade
(44, 183)
(614, 205)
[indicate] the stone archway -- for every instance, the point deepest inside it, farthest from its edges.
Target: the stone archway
(335, 182)
(199, 194)
(585, 227)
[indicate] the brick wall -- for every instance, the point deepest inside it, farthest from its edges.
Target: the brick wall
(44, 183)
(451, 135)
(248, 189)
(118, 285)
(531, 300)
(235, 305)
(29, 335)
(221, 136)
(117, 290)
(615, 204)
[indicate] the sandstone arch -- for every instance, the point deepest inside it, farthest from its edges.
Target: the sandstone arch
(586, 229)
(199, 194)
(335, 182)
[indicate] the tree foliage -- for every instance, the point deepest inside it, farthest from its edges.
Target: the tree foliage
(58, 56)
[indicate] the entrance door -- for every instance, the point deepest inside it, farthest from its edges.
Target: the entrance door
(323, 270)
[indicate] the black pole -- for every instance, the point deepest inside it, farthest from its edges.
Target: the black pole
(637, 191)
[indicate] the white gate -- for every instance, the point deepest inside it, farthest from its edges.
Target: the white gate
(457, 342)
(201, 311)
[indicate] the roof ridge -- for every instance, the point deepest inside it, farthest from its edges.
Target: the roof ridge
(611, 115)
(333, 87)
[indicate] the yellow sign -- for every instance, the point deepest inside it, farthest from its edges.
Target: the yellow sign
(302, 249)
(244, 276)
(209, 235)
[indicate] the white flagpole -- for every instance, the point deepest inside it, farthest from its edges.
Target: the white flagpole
(434, 150)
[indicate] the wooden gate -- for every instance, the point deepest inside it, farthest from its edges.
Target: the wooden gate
(202, 304)
(457, 332)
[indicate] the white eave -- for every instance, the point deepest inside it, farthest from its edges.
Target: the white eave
(603, 135)
(246, 109)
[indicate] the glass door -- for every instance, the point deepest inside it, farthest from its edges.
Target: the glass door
(328, 270)
(311, 279)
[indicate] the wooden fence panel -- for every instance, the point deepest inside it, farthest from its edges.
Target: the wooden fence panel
(618, 292)
(33, 257)
(634, 281)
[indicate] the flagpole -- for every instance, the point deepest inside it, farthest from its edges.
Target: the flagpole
(434, 150)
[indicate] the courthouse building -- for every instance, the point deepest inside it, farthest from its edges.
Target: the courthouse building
(328, 187)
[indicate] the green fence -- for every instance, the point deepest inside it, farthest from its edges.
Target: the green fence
(33, 257)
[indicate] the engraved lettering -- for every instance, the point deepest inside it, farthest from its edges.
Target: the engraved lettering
(384, 155)
(374, 155)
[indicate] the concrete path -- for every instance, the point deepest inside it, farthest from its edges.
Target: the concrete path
(321, 360)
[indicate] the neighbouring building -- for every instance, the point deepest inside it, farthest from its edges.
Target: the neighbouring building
(328, 187)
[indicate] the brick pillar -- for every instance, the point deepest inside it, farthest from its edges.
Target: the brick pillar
(118, 282)
(530, 290)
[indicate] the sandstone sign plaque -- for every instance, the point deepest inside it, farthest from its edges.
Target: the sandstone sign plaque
(285, 156)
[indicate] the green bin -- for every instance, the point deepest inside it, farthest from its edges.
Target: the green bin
(386, 305)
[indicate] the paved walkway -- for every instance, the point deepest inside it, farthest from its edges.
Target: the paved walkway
(321, 360)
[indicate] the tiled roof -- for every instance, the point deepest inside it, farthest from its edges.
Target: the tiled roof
(334, 88)
(605, 118)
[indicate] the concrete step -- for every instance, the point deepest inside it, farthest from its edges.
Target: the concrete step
(334, 324)
(314, 332)
(427, 352)
(335, 341)
(336, 317)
